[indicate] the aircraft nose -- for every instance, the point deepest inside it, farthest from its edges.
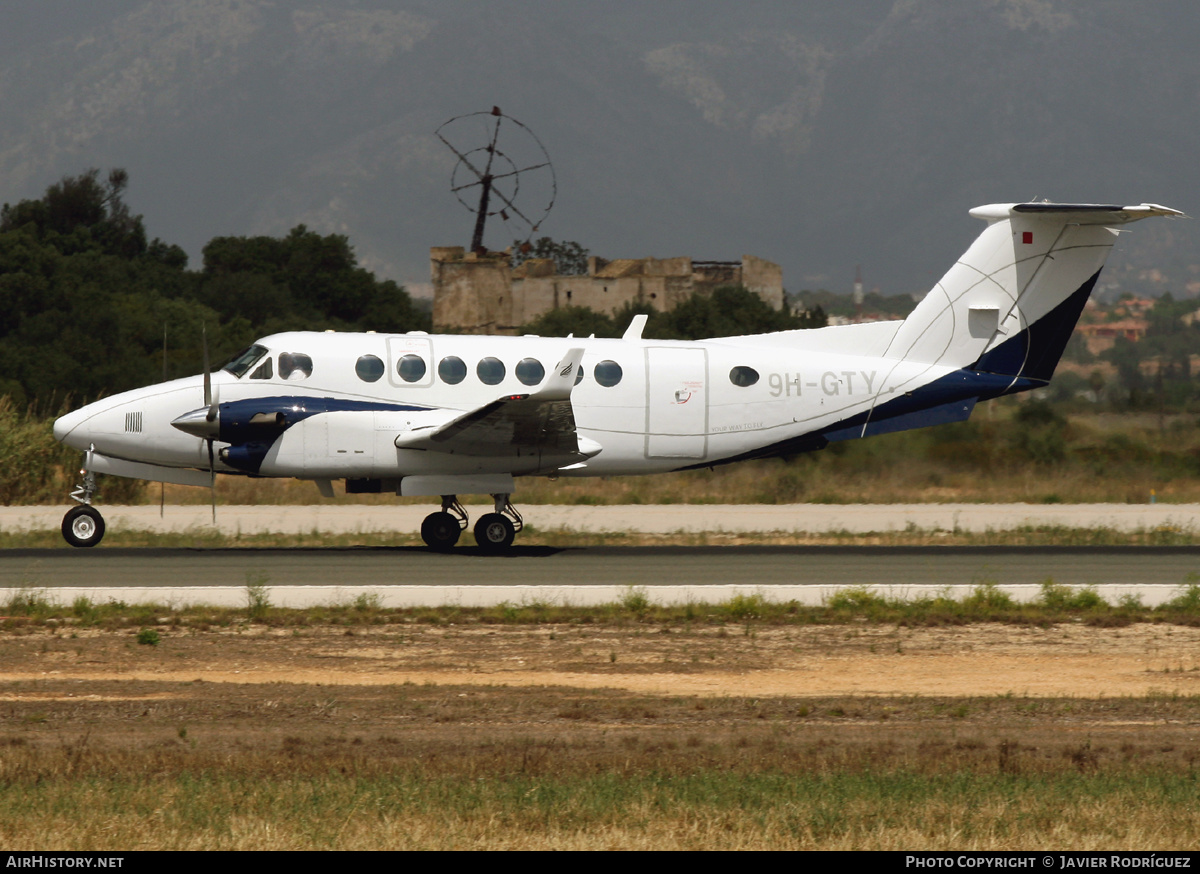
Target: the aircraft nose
(67, 429)
(63, 426)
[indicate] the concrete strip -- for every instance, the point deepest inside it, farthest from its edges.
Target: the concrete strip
(656, 519)
(557, 595)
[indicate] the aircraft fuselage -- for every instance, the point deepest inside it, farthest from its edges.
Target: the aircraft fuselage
(650, 405)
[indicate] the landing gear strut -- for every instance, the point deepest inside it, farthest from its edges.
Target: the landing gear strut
(441, 530)
(83, 525)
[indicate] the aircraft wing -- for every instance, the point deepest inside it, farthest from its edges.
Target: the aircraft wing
(540, 422)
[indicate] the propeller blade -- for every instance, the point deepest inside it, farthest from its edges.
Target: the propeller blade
(213, 417)
(212, 480)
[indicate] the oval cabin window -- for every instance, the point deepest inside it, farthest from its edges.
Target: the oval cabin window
(530, 371)
(452, 370)
(369, 368)
(743, 376)
(607, 373)
(490, 371)
(411, 368)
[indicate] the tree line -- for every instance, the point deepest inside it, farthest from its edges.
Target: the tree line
(85, 294)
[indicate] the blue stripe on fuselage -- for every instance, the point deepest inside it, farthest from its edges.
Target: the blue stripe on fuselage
(1024, 361)
(249, 444)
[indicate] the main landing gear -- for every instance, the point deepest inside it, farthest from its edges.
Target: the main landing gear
(83, 525)
(494, 532)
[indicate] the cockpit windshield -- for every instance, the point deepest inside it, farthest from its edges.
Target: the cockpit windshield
(245, 360)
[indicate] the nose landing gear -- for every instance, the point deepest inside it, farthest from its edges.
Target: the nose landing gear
(83, 526)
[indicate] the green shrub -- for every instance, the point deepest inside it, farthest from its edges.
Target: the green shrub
(988, 596)
(258, 596)
(857, 599)
(27, 601)
(742, 607)
(1187, 601)
(635, 600)
(1059, 597)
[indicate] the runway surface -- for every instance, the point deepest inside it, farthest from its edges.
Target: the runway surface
(652, 519)
(407, 576)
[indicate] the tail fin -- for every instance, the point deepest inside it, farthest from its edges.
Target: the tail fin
(1009, 305)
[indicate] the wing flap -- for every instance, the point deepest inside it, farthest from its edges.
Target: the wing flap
(540, 422)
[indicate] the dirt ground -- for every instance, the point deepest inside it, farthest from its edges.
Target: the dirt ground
(981, 660)
(290, 709)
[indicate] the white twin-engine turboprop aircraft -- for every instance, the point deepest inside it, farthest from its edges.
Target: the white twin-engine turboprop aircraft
(450, 415)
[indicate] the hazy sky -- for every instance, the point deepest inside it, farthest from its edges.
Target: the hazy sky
(821, 136)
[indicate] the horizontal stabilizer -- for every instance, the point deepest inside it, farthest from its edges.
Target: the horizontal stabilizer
(1076, 213)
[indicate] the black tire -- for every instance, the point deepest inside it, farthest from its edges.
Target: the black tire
(83, 526)
(494, 532)
(440, 531)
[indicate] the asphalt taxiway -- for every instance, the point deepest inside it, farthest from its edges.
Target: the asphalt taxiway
(404, 576)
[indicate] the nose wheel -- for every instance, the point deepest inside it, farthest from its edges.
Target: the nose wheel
(83, 526)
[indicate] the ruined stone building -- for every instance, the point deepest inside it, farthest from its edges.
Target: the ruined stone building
(483, 294)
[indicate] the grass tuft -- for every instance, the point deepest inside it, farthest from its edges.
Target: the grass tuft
(635, 601)
(258, 596)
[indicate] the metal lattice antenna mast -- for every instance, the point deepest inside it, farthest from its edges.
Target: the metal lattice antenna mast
(499, 172)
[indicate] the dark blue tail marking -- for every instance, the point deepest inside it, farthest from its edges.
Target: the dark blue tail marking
(1034, 353)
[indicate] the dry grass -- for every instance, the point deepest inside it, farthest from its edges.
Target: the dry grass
(93, 759)
(160, 766)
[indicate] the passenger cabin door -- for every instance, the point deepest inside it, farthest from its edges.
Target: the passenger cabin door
(676, 402)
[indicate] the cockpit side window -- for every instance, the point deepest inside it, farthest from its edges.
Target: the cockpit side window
(244, 360)
(294, 365)
(263, 371)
